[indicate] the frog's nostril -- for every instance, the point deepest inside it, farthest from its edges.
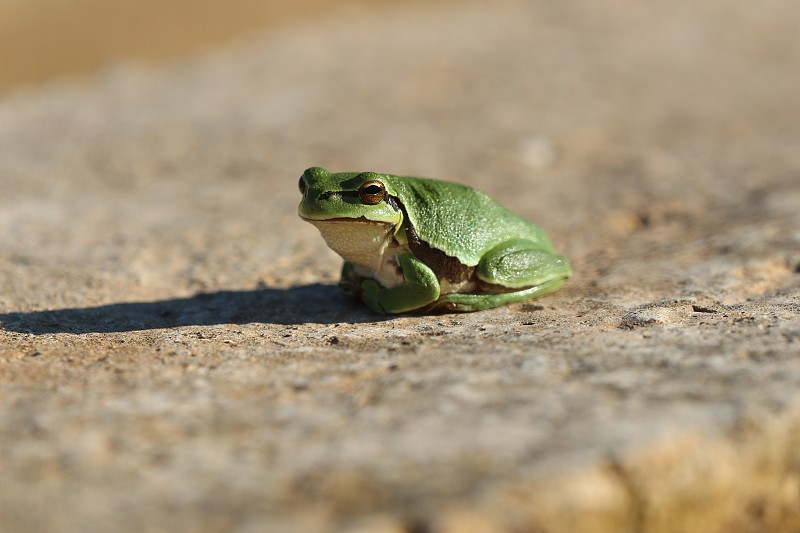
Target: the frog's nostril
(325, 196)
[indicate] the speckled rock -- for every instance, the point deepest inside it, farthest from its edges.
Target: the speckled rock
(175, 355)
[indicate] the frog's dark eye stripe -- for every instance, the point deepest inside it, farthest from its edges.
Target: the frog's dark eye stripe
(302, 185)
(372, 192)
(393, 202)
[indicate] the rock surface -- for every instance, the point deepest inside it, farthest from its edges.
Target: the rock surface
(174, 354)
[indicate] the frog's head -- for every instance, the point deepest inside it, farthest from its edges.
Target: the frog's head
(347, 196)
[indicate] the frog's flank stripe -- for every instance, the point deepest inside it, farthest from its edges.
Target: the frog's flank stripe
(443, 265)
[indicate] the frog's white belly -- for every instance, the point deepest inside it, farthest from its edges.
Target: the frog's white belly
(372, 251)
(368, 246)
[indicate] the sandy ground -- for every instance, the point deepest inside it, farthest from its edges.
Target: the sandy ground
(174, 354)
(42, 40)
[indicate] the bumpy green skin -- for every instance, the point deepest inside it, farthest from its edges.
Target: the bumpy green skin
(461, 221)
(512, 259)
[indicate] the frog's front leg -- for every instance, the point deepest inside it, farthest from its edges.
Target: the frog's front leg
(421, 287)
(349, 281)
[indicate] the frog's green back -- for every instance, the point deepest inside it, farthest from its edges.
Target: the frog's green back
(460, 221)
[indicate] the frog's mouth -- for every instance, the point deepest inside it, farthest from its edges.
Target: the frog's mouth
(358, 240)
(363, 220)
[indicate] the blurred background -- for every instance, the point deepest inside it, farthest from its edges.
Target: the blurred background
(45, 39)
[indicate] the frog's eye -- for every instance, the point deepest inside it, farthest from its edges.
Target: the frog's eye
(302, 185)
(372, 192)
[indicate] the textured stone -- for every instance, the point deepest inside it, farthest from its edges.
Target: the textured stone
(174, 353)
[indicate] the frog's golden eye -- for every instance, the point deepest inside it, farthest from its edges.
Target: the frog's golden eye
(372, 192)
(302, 185)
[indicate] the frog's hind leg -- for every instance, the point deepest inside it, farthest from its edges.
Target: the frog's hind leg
(514, 271)
(478, 302)
(521, 263)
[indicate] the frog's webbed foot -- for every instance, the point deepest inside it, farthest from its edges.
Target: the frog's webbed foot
(350, 282)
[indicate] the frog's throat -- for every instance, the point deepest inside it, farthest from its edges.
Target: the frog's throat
(360, 242)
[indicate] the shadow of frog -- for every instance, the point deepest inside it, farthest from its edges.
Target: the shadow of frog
(316, 303)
